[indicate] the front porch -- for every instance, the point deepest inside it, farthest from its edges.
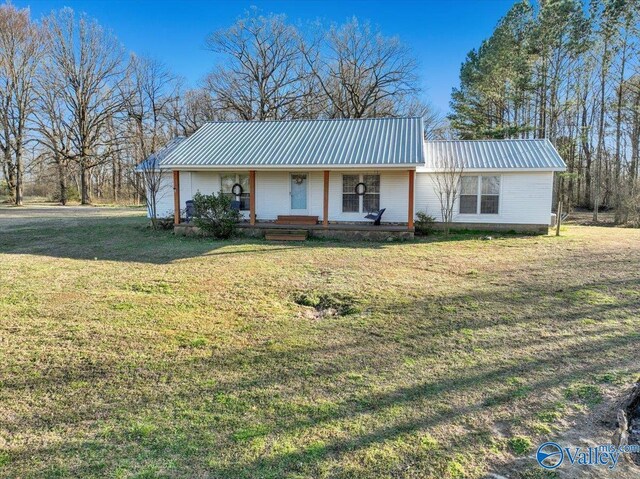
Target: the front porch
(334, 201)
(347, 231)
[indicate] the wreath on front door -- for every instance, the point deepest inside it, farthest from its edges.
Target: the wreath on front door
(299, 179)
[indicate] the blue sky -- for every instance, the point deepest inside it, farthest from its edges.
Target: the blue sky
(439, 32)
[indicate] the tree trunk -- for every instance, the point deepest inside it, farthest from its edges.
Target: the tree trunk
(9, 173)
(119, 178)
(542, 121)
(635, 142)
(136, 190)
(62, 182)
(85, 182)
(19, 178)
(587, 156)
(600, 148)
(114, 179)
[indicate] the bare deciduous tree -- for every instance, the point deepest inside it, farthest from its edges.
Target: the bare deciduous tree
(21, 49)
(189, 110)
(85, 67)
(53, 134)
(262, 76)
(361, 72)
(94, 118)
(435, 125)
(148, 89)
(446, 184)
(151, 176)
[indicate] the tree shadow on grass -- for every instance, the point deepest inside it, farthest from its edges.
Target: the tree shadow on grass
(163, 417)
(129, 239)
(184, 441)
(250, 382)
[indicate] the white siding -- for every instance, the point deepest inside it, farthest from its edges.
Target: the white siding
(316, 193)
(272, 197)
(272, 194)
(394, 196)
(525, 198)
(186, 191)
(205, 182)
(164, 198)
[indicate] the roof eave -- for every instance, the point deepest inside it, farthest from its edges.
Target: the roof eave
(504, 170)
(360, 166)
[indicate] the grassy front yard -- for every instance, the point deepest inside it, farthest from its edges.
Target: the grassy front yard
(127, 353)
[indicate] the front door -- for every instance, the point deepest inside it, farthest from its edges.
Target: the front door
(298, 193)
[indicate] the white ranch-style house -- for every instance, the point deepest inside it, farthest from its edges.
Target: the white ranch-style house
(329, 174)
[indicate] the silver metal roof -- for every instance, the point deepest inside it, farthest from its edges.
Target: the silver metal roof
(494, 154)
(308, 143)
(151, 162)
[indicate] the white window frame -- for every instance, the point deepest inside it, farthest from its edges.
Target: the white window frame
(360, 197)
(237, 180)
(460, 195)
(479, 196)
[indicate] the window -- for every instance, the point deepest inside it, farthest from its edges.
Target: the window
(352, 202)
(490, 195)
(350, 199)
(227, 180)
(479, 193)
(468, 195)
(371, 198)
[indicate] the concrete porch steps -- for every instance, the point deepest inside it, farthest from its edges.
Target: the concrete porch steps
(296, 220)
(286, 235)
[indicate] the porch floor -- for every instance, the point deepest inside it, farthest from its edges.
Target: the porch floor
(347, 231)
(330, 226)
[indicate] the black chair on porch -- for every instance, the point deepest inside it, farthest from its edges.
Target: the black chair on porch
(190, 210)
(375, 216)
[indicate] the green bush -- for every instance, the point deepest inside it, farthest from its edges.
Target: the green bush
(214, 216)
(424, 224)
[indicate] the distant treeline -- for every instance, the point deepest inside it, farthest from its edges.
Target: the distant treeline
(569, 71)
(77, 114)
